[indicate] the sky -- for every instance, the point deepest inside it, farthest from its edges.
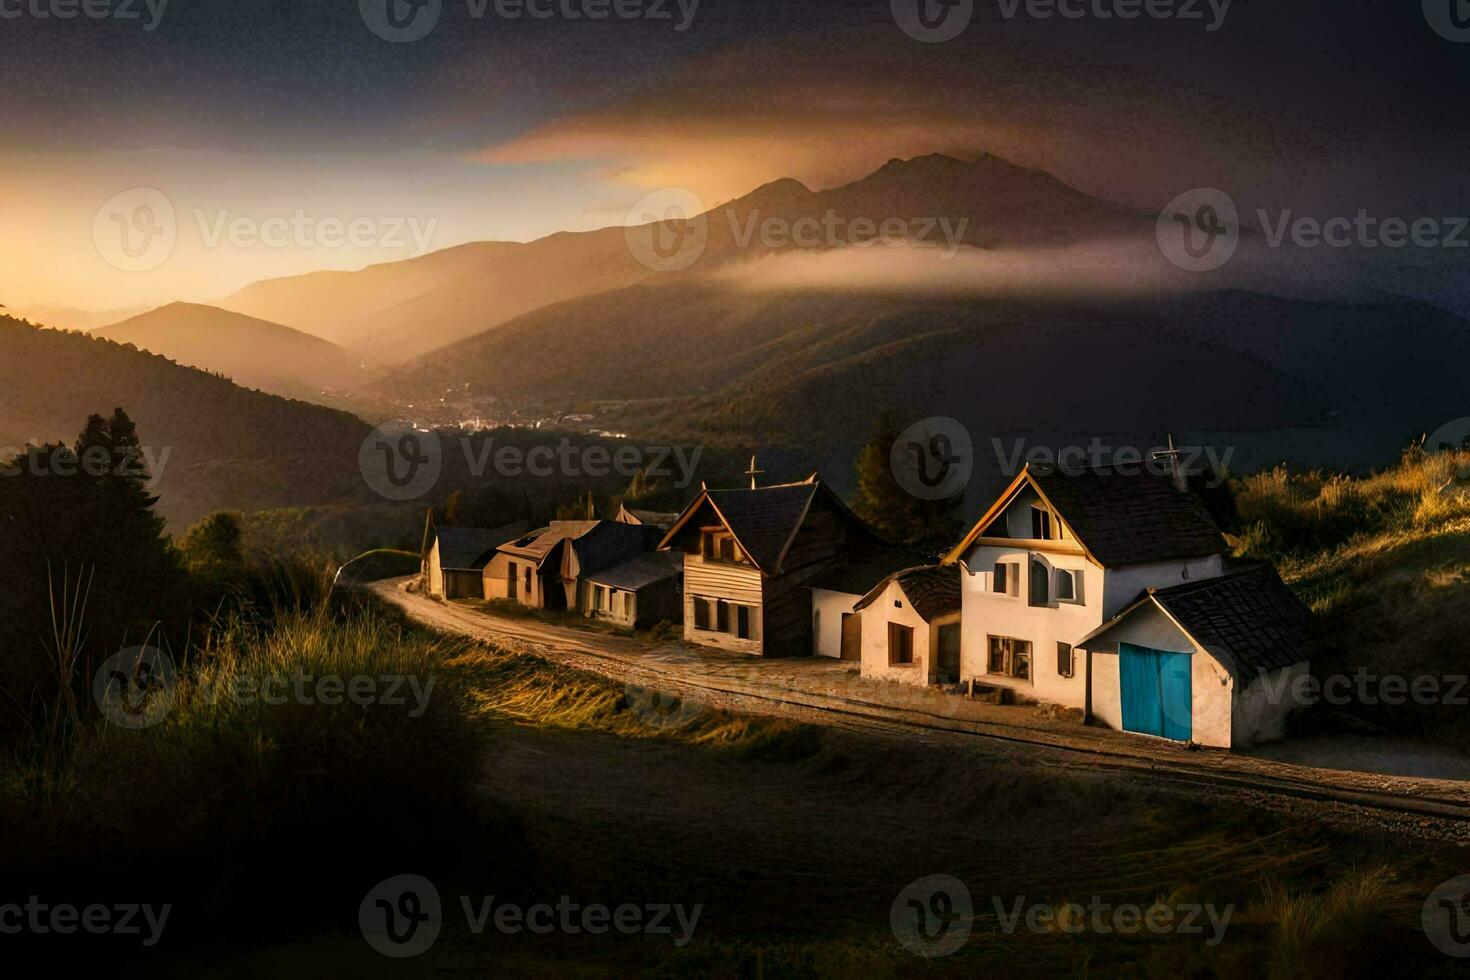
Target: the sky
(244, 140)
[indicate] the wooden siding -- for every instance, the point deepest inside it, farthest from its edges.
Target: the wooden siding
(722, 580)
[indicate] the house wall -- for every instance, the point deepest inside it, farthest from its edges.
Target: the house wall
(436, 573)
(722, 580)
(463, 585)
(1125, 584)
(1211, 686)
(495, 584)
(1262, 707)
(876, 617)
(828, 608)
(987, 614)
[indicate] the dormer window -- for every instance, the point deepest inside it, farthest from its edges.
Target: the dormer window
(1041, 523)
(718, 544)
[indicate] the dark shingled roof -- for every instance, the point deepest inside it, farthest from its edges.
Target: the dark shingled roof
(933, 590)
(467, 548)
(1126, 519)
(640, 570)
(764, 519)
(858, 574)
(1249, 620)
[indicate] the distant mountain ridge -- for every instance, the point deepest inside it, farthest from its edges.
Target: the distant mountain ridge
(393, 312)
(227, 446)
(251, 352)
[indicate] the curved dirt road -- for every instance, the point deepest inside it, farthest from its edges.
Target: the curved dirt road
(828, 693)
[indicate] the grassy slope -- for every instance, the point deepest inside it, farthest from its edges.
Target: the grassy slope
(1383, 560)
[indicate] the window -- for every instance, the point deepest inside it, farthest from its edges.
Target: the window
(528, 580)
(1041, 523)
(722, 616)
(599, 597)
(1040, 583)
(1064, 660)
(1066, 586)
(1003, 581)
(900, 644)
(718, 544)
(701, 613)
(742, 622)
(1009, 657)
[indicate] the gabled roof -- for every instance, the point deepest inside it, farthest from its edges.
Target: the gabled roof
(764, 520)
(470, 548)
(1248, 620)
(538, 544)
(640, 570)
(1118, 518)
(933, 590)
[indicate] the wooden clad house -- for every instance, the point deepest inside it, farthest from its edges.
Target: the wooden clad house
(749, 557)
(547, 568)
(638, 592)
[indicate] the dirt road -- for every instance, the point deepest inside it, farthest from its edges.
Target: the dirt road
(830, 693)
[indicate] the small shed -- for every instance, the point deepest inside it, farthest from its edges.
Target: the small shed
(1213, 662)
(911, 626)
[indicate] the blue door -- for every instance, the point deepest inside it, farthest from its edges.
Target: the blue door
(1157, 698)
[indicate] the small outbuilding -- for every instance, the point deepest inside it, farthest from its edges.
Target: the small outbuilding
(911, 626)
(1213, 662)
(638, 592)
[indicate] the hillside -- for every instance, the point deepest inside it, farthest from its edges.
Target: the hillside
(709, 360)
(227, 446)
(394, 312)
(251, 352)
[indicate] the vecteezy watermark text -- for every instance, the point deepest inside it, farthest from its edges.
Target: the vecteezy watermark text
(142, 463)
(1365, 687)
(404, 21)
(64, 919)
(934, 21)
(402, 916)
(402, 462)
(126, 10)
(1099, 456)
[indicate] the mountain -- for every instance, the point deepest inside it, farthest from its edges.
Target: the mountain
(226, 446)
(333, 305)
(396, 311)
(719, 363)
(251, 352)
(70, 318)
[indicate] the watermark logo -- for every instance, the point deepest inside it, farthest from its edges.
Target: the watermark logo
(64, 919)
(401, 916)
(1453, 436)
(135, 687)
(932, 21)
(1446, 917)
(933, 458)
(667, 230)
(659, 709)
(89, 9)
(401, 462)
(832, 230)
(136, 230)
(1106, 458)
(1449, 18)
(401, 21)
(933, 916)
(1199, 230)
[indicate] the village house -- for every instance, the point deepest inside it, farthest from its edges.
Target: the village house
(1212, 662)
(749, 556)
(547, 568)
(1056, 555)
(455, 558)
(648, 518)
(638, 592)
(910, 626)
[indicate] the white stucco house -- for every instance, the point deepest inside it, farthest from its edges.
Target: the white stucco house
(1059, 553)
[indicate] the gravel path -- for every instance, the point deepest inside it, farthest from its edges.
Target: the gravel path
(829, 693)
